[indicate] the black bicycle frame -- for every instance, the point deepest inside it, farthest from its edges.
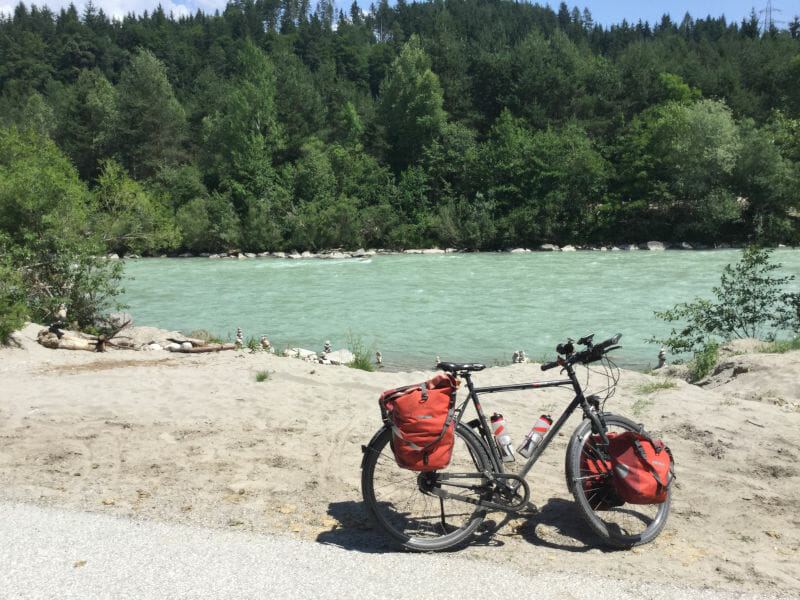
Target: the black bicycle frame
(486, 431)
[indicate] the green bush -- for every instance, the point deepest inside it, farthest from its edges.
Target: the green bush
(48, 246)
(704, 361)
(751, 302)
(12, 306)
(361, 352)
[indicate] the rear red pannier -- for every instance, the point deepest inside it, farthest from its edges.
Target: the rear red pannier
(643, 468)
(421, 419)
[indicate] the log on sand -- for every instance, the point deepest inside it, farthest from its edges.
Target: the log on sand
(50, 339)
(206, 348)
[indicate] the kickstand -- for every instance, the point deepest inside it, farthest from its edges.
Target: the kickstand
(441, 508)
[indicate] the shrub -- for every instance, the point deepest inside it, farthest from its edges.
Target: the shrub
(704, 361)
(361, 352)
(751, 301)
(12, 306)
(48, 245)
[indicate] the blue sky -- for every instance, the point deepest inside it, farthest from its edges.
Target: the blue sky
(608, 13)
(605, 12)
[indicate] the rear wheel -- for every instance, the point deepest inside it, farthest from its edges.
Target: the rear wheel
(403, 506)
(621, 525)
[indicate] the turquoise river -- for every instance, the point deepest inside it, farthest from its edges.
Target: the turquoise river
(461, 307)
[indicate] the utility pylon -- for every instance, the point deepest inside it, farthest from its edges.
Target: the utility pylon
(768, 21)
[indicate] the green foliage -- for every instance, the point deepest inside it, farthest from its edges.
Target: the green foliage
(85, 111)
(240, 138)
(677, 90)
(12, 302)
(208, 337)
(655, 386)
(545, 182)
(410, 105)
(752, 301)
(769, 179)
(148, 127)
(680, 158)
(781, 346)
(299, 103)
(470, 124)
(703, 361)
(129, 218)
(361, 351)
(46, 237)
(642, 404)
(262, 376)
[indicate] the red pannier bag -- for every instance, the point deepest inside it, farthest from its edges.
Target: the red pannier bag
(596, 475)
(644, 469)
(421, 419)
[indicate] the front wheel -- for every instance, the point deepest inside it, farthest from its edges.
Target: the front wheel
(588, 478)
(402, 504)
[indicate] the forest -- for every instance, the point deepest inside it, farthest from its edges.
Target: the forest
(474, 124)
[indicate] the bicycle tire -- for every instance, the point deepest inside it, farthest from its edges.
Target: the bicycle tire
(622, 526)
(417, 520)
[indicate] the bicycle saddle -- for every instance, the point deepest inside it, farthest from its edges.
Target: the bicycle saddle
(456, 367)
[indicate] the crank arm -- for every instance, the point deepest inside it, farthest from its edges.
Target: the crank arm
(483, 503)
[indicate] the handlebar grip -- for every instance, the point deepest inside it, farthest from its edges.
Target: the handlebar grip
(549, 365)
(609, 341)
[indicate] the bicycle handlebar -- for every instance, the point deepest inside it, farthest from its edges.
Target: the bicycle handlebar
(592, 353)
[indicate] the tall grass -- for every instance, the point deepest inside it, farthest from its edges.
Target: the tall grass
(781, 346)
(361, 351)
(704, 361)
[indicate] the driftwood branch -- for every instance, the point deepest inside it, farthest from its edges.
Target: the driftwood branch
(193, 342)
(57, 339)
(206, 348)
(114, 333)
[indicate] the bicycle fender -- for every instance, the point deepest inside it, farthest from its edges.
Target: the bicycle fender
(369, 447)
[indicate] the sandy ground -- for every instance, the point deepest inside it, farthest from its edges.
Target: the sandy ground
(196, 439)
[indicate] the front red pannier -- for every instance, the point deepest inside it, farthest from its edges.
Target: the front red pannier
(421, 419)
(643, 468)
(597, 476)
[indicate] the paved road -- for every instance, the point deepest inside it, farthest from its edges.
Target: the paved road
(59, 554)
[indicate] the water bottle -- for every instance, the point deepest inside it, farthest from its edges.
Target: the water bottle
(502, 438)
(535, 436)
